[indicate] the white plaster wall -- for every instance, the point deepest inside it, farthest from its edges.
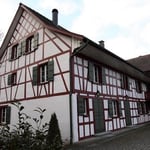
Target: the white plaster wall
(57, 104)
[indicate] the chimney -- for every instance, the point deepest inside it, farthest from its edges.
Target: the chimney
(55, 16)
(102, 43)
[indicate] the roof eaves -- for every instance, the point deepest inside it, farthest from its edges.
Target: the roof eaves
(10, 31)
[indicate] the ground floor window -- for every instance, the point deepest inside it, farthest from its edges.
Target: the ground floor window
(5, 114)
(82, 106)
(114, 108)
(142, 109)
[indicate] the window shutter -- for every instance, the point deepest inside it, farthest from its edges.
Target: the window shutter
(19, 52)
(110, 109)
(36, 41)
(10, 54)
(8, 113)
(23, 47)
(81, 106)
(90, 72)
(9, 79)
(35, 75)
(51, 70)
(103, 76)
(122, 80)
(120, 109)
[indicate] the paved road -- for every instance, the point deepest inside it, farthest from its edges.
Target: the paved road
(131, 138)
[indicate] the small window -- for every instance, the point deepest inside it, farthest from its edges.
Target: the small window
(138, 86)
(142, 108)
(5, 115)
(124, 82)
(12, 79)
(95, 73)
(113, 108)
(43, 72)
(82, 106)
(30, 44)
(14, 51)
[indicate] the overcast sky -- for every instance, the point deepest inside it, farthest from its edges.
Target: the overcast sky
(124, 25)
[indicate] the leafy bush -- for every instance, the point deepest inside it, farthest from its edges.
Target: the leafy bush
(26, 137)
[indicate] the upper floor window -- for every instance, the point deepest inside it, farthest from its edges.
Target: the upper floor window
(12, 79)
(138, 86)
(43, 73)
(14, 52)
(96, 73)
(32, 42)
(125, 82)
(29, 44)
(25, 46)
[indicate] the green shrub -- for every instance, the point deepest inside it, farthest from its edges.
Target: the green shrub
(54, 137)
(26, 137)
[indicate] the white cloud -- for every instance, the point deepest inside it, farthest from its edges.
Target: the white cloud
(130, 16)
(66, 7)
(7, 12)
(123, 25)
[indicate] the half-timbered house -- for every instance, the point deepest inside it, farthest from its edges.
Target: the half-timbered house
(90, 89)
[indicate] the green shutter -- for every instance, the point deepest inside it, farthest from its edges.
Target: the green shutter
(36, 41)
(120, 109)
(8, 113)
(103, 76)
(9, 79)
(19, 51)
(23, 47)
(51, 70)
(90, 72)
(122, 80)
(35, 75)
(81, 106)
(10, 54)
(110, 110)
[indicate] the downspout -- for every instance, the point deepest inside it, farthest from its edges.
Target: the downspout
(76, 51)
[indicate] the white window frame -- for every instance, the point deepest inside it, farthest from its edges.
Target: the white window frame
(43, 73)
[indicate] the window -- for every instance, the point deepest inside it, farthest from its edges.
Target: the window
(82, 106)
(138, 86)
(32, 43)
(114, 108)
(14, 52)
(5, 114)
(142, 108)
(124, 82)
(96, 73)
(43, 73)
(12, 79)
(29, 44)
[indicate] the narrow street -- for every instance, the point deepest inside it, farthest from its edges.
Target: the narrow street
(130, 138)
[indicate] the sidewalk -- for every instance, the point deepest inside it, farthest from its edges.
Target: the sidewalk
(108, 137)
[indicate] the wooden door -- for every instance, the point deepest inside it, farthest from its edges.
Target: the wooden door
(98, 115)
(127, 113)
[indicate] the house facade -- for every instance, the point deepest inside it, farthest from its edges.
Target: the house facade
(90, 89)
